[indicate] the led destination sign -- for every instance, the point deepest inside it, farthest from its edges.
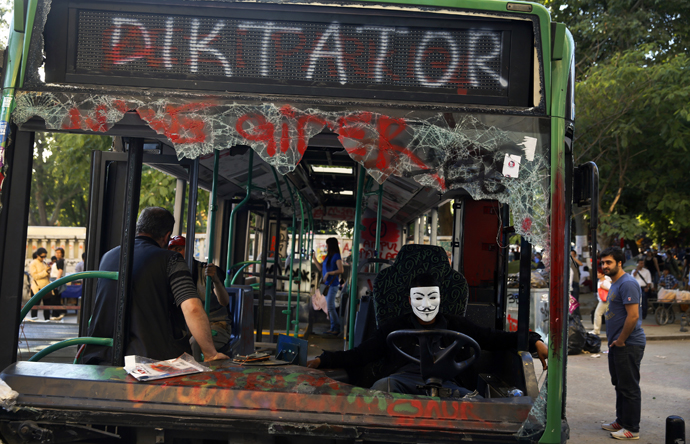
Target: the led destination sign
(345, 55)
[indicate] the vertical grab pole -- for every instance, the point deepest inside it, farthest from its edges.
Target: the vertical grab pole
(355, 258)
(212, 227)
(301, 236)
(125, 284)
(191, 211)
(233, 215)
(524, 293)
(288, 312)
(311, 238)
(379, 217)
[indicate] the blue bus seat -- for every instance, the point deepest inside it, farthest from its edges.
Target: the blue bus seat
(241, 310)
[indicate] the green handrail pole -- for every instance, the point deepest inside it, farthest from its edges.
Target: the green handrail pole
(288, 312)
(108, 342)
(233, 215)
(379, 217)
(275, 176)
(310, 241)
(72, 277)
(311, 224)
(244, 265)
(212, 228)
(301, 237)
(355, 258)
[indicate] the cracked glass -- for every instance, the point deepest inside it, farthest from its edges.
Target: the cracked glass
(498, 157)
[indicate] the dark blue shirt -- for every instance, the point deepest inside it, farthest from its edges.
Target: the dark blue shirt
(667, 281)
(331, 264)
(624, 291)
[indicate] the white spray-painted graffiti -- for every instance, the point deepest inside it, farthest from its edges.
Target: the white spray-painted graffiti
(347, 54)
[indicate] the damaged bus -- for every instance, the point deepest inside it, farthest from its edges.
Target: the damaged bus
(295, 115)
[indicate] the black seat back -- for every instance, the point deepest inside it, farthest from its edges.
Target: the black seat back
(392, 285)
(241, 309)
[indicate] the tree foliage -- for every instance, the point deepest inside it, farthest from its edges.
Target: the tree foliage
(633, 86)
(60, 182)
(158, 190)
(603, 29)
(60, 179)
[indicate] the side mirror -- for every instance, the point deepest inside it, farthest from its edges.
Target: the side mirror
(586, 185)
(586, 193)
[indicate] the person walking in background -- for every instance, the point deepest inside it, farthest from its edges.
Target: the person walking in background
(603, 286)
(78, 269)
(331, 268)
(626, 341)
(575, 264)
(57, 270)
(644, 279)
(651, 264)
(40, 277)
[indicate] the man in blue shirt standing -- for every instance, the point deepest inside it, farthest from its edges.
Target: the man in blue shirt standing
(626, 345)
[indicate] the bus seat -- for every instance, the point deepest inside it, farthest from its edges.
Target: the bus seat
(241, 309)
(392, 285)
(365, 325)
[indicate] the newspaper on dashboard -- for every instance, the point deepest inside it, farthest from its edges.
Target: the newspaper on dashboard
(146, 369)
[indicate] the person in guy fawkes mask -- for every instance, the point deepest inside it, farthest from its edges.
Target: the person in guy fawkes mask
(402, 376)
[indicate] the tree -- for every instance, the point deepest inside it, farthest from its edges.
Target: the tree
(604, 29)
(60, 179)
(632, 110)
(634, 124)
(5, 11)
(158, 190)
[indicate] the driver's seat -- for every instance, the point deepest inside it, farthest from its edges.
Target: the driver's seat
(392, 285)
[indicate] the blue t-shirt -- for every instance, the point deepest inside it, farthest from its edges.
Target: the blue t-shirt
(331, 264)
(623, 292)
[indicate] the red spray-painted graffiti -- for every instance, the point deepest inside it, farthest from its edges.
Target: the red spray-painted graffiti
(384, 145)
(390, 240)
(426, 149)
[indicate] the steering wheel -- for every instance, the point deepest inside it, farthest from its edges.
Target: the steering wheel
(440, 366)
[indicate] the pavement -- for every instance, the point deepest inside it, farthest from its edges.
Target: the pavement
(652, 330)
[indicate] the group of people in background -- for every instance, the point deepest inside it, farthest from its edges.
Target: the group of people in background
(43, 273)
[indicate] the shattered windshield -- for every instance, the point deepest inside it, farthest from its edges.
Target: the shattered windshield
(500, 157)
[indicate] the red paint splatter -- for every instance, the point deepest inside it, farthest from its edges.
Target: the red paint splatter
(526, 225)
(262, 131)
(302, 123)
(176, 126)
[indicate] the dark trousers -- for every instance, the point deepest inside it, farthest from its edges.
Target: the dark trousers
(645, 303)
(47, 300)
(624, 367)
(407, 382)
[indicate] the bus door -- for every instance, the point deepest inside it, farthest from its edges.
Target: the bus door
(107, 206)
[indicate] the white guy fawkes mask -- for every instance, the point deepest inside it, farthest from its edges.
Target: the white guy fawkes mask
(425, 302)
